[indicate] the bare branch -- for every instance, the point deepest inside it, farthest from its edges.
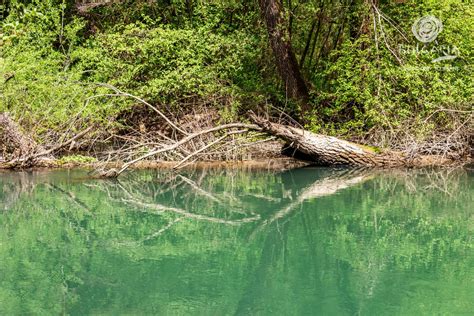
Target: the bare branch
(208, 146)
(125, 94)
(115, 173)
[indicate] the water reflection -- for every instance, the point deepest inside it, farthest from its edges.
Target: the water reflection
(307, 241)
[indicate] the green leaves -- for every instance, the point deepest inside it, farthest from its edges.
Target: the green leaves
(216, 54)
(363, 87)
(165, 65)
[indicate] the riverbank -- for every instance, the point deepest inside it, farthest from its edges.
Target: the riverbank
(261, 141)
(276, 164)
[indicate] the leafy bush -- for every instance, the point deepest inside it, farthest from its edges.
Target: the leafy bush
(362, 85)
(54, 66)
(167, 65)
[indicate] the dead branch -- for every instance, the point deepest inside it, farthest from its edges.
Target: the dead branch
(30, 159)
(15, 142)
(119, 93)
(207, 147)
(64, 144)
(115, 173)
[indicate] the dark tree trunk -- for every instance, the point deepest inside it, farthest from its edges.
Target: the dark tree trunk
(280, 43)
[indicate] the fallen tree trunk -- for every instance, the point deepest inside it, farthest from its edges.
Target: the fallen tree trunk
(327, 150)
(319, 149)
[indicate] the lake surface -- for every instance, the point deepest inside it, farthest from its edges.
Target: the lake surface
(311, 241)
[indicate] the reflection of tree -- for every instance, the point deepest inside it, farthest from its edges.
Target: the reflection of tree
(329, 185)
(74, 246)
(194, 190)
(277, 225)
(133, 194)
(70, 196)
(372, 257)
(272, 252)
(158, 208)
(14, 185)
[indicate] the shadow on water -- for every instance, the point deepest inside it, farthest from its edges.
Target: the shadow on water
(305, 241)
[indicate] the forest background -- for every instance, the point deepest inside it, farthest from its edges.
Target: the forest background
(366, 74)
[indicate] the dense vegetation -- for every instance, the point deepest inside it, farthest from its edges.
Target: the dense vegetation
(368, 77)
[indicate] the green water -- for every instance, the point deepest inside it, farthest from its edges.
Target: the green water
(312, 241)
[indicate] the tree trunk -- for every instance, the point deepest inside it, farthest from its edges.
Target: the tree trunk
(327, 150)
(280, 43)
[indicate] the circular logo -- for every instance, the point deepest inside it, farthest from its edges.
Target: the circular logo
(427, 28)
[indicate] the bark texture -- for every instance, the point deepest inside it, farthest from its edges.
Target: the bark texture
(280, 43)
(327, 150)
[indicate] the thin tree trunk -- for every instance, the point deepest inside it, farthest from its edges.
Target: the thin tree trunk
(280, 43)
(310, 34)
(345, 15)
(323, 46)
(318, 30)
(308, 43)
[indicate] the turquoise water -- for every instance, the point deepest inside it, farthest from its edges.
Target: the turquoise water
(311, 241)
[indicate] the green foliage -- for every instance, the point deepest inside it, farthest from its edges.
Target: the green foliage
(165, 65)
(387, 80)
(55, 64)
(180, 54)
(39, 86)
